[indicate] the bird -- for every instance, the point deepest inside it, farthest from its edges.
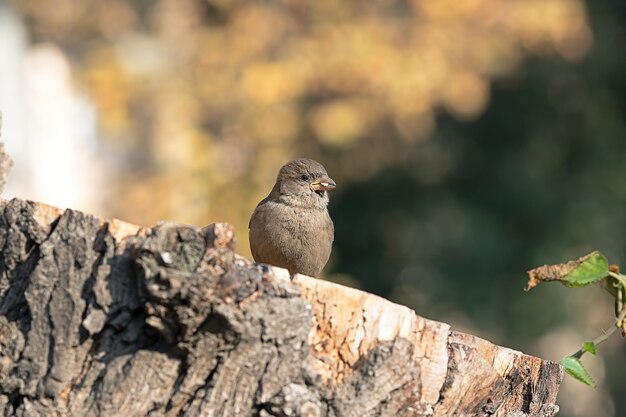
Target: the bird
(291, 227)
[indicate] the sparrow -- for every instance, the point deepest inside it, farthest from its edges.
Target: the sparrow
(291, 227)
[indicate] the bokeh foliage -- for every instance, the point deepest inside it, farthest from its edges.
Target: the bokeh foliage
(471, 140)
(205, 99)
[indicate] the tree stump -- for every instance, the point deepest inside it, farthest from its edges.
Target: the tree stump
(104, 318)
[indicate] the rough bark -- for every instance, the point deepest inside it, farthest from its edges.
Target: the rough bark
(103, 318)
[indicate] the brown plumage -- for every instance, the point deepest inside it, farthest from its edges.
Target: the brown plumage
(291, 227)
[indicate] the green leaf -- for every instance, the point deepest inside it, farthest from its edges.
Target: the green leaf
(593, 268)
(574, 367)
(590, 347)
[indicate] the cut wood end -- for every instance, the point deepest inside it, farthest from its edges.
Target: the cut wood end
(348, 323)
(46, 215)
(121, 229)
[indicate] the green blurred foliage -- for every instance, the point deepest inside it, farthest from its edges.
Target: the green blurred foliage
(538, 178)
(471, 140)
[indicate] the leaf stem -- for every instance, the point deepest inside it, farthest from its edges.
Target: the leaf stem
(605, 335)
(619, 301)
(621, 278)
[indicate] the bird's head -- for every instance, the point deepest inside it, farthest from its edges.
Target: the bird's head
(304, 182)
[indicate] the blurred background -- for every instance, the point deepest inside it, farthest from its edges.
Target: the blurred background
(471, 140)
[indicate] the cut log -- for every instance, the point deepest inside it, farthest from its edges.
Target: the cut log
(103, 318)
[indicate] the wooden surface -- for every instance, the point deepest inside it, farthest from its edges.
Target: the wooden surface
(104, 318)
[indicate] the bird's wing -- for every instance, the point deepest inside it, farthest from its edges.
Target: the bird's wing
(262, 202)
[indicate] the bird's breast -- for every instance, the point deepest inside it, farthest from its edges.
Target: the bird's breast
(292, 237)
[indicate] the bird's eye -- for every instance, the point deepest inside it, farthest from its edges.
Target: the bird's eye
(305, 177)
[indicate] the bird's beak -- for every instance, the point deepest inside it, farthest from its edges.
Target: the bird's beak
(323, 184)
